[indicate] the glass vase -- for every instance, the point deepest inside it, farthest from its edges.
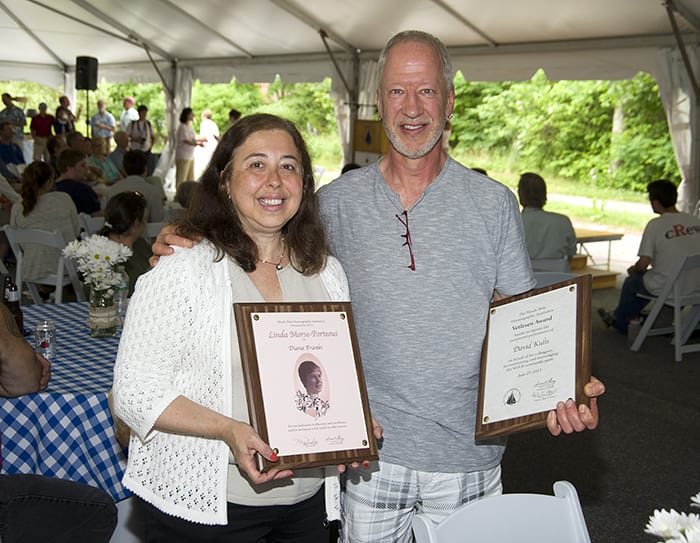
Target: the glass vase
(102, 313)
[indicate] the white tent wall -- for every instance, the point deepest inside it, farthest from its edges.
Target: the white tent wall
(361, 104)
(177, 97)
(683, 114)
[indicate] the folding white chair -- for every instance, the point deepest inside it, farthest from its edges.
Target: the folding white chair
(525, 518)
(550, 264)
(91, 224)
(65, 271)
(682, 293)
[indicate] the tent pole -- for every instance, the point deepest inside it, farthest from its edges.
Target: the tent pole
(694, 183)
(670, 8)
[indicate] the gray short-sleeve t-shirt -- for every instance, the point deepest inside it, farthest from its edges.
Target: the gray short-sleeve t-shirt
(420, 332)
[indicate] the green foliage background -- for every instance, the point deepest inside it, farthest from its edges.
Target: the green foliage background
(562, 129)
(565, 129)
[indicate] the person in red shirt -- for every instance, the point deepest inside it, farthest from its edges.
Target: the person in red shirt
(41, 131)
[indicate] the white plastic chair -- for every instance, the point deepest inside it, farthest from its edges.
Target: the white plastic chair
(91, 224)
(525, 518)
(682, 293)
(550, 264)
(65, 271)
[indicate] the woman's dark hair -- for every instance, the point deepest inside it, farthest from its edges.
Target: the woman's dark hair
(532, 190)
(183, 194)
(141, 108)
(36, 176)
(213, 216)
(184, 114)
(305, 369)
(122, 211)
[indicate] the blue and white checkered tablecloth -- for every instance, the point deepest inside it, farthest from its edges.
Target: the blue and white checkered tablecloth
(67, 431)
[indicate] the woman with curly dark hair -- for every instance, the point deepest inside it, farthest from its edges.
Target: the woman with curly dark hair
(178, 378)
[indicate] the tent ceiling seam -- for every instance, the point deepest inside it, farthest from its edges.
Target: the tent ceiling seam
(670, 9)
(687, 14)
(129, 33)
(349, 90)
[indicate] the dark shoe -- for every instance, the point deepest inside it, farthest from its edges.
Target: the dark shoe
(607, 317)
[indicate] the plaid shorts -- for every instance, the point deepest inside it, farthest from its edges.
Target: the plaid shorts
(379, 503)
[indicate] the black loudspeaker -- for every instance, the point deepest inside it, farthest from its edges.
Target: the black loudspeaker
(85, 73)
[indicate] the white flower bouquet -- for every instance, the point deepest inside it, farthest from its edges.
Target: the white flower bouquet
(674, 527)
(97, 258)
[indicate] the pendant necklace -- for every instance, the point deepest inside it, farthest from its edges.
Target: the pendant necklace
(278, 265)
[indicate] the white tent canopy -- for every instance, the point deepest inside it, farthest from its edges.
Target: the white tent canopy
(177, 41)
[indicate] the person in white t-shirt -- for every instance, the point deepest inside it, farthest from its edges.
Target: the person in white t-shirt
(129, 114)
(672, 235)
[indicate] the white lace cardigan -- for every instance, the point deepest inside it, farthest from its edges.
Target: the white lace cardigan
(177, 341)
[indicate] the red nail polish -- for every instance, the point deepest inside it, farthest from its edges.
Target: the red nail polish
(366, 463)
(274, 457)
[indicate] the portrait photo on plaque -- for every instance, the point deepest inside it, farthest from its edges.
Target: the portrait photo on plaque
(304, 383)
(537, 352)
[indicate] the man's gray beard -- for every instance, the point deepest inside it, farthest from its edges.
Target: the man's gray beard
(403, 150)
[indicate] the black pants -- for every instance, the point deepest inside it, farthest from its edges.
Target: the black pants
(34, 508)
(302, 522)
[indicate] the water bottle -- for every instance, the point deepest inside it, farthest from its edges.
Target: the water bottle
(45, 339)
(14, 307)
(6, 288)
(120, 294)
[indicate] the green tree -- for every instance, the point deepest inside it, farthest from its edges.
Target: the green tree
(643, 151)
(467, 127)
(310, 107)
(564, 128)
(220, 98)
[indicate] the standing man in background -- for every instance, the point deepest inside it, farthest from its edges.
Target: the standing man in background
(15, 116)
(103, 123)
(129, 114)
(40, 127)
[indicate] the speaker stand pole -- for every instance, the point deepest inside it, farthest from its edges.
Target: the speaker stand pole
(87, 108)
